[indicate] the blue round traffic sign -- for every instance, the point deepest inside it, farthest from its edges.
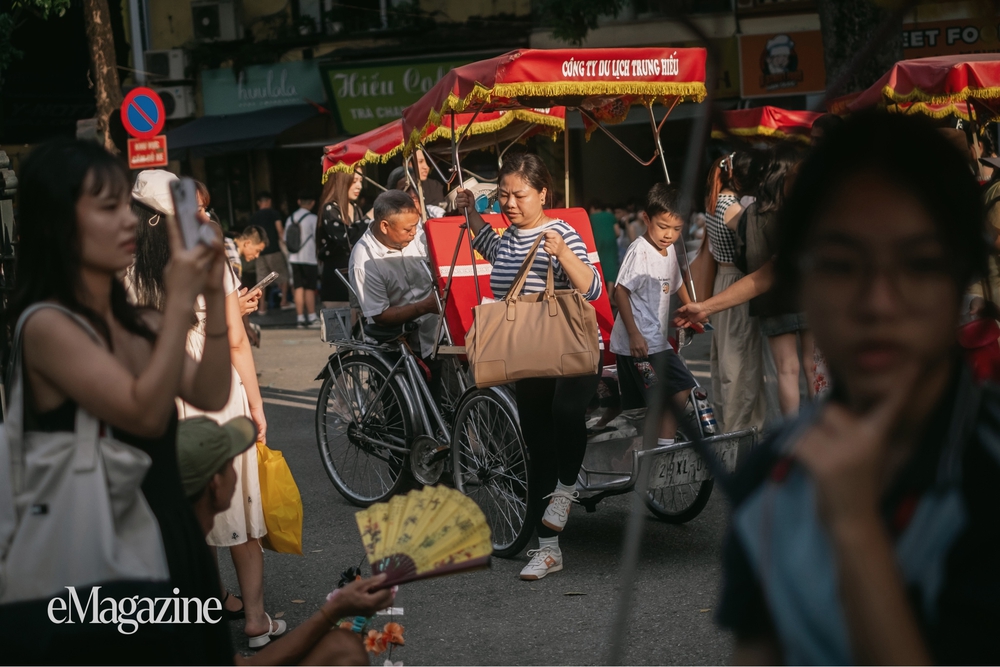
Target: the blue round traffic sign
(142, 113)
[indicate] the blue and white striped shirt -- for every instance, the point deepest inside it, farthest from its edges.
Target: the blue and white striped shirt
(506, 253)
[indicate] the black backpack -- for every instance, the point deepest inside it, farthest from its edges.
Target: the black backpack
(293, 234)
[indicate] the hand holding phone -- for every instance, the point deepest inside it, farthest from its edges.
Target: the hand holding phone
(185, 196)
(267, 280)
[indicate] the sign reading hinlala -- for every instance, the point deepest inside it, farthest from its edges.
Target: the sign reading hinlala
(367, 96)
(261, 87)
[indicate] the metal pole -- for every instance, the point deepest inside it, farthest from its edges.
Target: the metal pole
(447, 289)
(138, 43)
(461, 180)
(657, 402)
(566, 162)
(682, 251)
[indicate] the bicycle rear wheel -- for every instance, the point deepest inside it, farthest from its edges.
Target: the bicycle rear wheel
(361, 430)
(681, 503)
(491, 466)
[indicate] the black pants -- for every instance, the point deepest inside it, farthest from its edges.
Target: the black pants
(552, 413)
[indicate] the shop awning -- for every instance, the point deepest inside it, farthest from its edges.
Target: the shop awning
(231, 133)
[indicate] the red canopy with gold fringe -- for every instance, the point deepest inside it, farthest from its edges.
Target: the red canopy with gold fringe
(605, 82)
(938, 86)
(382, 143)
(767, 122)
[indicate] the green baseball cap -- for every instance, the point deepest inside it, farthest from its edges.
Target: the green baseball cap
(204, 445)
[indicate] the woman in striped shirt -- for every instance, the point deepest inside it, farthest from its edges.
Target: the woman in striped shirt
(551, 410)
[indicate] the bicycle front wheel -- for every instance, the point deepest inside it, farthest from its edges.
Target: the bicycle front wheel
(362, 430)
(491, 467)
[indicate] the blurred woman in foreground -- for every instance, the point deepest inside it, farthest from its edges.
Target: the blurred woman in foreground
(867, 530)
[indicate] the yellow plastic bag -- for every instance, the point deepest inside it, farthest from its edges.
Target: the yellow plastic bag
(282, 504)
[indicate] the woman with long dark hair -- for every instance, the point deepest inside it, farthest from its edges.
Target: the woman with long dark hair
(341, 225)
(780, 321)
(551, 410)
(737, 374)
(77, 234)
(241, 526)
(867, 530)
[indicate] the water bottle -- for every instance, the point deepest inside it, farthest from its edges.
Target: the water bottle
(705, 413)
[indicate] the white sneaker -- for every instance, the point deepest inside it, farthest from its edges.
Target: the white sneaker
(543, 561)
(557, 511)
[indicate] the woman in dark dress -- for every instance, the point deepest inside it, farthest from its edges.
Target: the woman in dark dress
(124, 367)
(341, 225)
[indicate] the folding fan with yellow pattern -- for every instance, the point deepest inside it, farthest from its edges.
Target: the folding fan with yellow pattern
(426, 533)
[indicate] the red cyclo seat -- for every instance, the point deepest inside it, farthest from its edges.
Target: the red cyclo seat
(980, 340)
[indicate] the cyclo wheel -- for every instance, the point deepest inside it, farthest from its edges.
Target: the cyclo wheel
(681, 503)
(351, 419)
(490, 466)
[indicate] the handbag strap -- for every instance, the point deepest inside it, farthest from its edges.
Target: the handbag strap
(87, 428)
(522, 275)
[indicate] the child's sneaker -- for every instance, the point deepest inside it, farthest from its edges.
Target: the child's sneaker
(557, 511)
(543, 561)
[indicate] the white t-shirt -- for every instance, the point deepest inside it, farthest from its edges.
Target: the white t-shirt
(650, 278)
(384, 277)
(307, 234)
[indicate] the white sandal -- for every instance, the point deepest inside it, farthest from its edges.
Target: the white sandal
(263, 640)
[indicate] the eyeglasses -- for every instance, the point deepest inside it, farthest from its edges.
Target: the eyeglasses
(915, 273)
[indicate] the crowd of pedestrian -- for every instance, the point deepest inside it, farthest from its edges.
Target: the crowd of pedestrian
(863, 527)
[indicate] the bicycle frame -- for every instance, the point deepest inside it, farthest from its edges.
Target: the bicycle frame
(424, 408)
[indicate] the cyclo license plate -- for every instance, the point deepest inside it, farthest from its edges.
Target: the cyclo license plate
(684, 466)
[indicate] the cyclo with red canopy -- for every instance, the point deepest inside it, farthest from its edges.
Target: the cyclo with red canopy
(478, 434)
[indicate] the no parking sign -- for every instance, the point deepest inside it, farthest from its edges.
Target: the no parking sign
(143, 117)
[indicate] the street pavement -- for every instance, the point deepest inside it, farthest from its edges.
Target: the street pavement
(491, 617)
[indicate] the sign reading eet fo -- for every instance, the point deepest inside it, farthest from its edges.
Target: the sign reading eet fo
(147, 153)
(369, 96)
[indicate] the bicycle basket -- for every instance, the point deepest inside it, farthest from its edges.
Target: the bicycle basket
(335, 324)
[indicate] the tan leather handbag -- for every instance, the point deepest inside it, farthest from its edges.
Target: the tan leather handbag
(549, 334)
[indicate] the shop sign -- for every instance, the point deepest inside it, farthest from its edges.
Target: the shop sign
(367, 96)
(786, 63)
(946, 38)
(260, 87)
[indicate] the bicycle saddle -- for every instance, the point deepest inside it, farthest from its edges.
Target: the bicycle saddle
(385, 334)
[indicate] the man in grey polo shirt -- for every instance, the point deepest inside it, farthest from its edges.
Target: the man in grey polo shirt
(388, 270)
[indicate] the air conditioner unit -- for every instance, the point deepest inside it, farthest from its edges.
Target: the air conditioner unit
(215, 20)
(166, 65)
(178, 101)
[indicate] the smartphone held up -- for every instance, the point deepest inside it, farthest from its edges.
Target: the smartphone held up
(185, 196)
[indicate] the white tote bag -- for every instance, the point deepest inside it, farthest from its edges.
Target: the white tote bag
(72, 512)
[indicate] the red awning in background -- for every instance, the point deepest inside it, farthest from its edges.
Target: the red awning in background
(937, 86)
(767, 122)
(382, 143)
(604, 82)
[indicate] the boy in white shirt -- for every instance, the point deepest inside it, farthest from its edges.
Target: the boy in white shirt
(302, 257)
(648, 276)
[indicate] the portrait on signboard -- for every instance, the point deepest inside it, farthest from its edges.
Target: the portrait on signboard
(779, 64)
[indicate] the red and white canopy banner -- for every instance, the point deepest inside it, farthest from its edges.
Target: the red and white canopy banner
(938, 86)
(604, 82)
(442, 235)
(768, 123)
(488, 129)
